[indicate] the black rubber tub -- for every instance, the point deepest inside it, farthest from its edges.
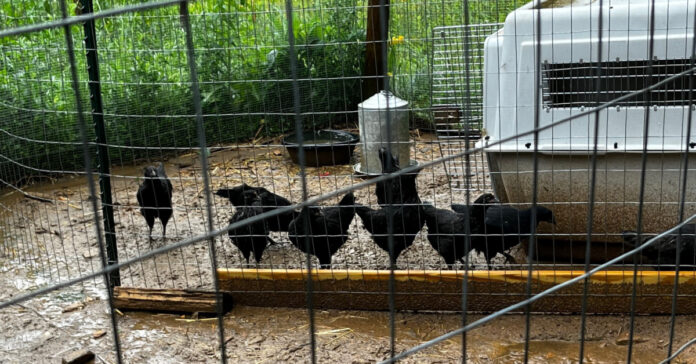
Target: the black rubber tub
(323, 147)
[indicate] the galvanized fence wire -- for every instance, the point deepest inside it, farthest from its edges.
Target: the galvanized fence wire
(682, 202)
(77, 19)
(466, 102)
(679, 351)
(535, 177)
(90, 179)
(536, 297)
(303, 176)
(313, 201)
(191, 59)
(527, 303)
(107, 269)
(593, 181)
(644, 162)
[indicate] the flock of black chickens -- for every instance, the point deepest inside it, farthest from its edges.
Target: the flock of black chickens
(491, 228)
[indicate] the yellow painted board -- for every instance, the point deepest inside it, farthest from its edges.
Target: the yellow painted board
(507, 276)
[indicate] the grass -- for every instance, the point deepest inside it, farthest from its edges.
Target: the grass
(243, 64)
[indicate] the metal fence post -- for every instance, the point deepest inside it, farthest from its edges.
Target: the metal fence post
(95, 98)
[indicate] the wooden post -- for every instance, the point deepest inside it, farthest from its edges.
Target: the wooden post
(374, 71)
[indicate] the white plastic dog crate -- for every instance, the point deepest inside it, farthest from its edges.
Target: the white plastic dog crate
(568, 64)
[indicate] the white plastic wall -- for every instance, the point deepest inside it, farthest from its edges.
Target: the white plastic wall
(570, 34)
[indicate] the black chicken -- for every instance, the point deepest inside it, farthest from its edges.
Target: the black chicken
(236, 194)
(155, 197)
(252, 237)
(663, 253)
(328, 229)
(407, 222)
(478, 208)
(399, 198)
(402, 188)
(485, 200)
(270, 201)
(506, 227)
(447, 229)
(446, 233)
(264, 198)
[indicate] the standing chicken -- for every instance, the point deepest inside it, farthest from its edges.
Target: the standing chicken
(155, 198)
(407, 222)
(506, 226)
(400, 205)
(447, 229)
(328, 229)
(398, 190)
(252, 237)
(236, 194)
(265, 199)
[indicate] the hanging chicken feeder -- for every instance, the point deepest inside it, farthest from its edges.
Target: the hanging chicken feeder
(376, 115)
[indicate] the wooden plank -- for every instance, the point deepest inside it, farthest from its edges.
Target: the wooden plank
(168, 300)
(547, 276)
(609, 291)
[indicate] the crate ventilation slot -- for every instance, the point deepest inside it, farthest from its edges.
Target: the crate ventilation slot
(574, 84)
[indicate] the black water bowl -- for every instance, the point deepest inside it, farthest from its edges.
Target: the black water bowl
(322, 147)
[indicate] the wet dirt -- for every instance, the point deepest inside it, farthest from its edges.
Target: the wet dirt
(279, 335)
(58, 240)
(44, 243)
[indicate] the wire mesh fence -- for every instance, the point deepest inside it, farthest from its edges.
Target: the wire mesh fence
(457, 80)
(578, 127)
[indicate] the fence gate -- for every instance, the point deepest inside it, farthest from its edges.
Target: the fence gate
(457, 95)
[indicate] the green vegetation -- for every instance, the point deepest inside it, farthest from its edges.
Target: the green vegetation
(243, 66)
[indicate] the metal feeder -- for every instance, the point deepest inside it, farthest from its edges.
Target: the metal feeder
(373, 122)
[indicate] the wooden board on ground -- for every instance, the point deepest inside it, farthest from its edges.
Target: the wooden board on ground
(609, 292)
(168, 300)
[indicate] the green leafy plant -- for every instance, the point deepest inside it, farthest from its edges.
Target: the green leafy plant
(241, 50)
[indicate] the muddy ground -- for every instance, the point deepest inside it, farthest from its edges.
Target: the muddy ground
(39, 331)
(44, 243)
(58, 239)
